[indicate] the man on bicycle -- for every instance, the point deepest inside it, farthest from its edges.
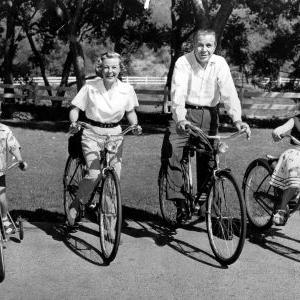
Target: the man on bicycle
(201, 80)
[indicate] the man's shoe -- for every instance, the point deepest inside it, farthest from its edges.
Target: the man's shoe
(181, 216)
(71, 216)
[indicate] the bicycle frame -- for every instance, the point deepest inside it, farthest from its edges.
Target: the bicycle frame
(214, 150)
(107, 150)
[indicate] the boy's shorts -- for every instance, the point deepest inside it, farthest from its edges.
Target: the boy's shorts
(2, 181)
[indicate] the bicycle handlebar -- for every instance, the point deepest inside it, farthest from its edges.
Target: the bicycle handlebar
(124, 132)
(15, 164)
(197, 131)
(295, 140)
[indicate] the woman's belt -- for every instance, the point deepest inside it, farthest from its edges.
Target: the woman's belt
(103, 125)
(211, 108)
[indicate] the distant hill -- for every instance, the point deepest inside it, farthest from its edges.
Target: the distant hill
(161, 11)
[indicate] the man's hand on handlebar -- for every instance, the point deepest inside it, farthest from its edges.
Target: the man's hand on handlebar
(276, 135)
(182, 127)
(243, 126)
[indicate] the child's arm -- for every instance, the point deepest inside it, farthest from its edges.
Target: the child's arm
(15, 151)
(13, 147)
(277, 132)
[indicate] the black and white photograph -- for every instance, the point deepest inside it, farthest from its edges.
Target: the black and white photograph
(149, 149)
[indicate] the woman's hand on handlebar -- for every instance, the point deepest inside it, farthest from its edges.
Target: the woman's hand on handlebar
(137, 130)
(74, 128)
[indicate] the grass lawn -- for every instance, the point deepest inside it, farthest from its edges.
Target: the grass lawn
(40, 187)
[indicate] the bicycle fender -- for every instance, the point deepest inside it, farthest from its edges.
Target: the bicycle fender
(227, 170)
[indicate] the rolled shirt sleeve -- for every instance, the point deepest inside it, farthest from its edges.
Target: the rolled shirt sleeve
(132, 99)
(179, 90)
(81, 98)
(228, 93)
(12, 142)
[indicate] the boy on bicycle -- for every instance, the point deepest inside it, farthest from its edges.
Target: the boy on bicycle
(8, 144)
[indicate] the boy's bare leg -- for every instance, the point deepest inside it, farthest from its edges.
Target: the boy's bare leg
(3, 202)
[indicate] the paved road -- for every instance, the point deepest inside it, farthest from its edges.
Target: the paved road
(149, 265)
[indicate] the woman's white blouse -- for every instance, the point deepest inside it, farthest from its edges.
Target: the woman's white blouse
(104, 107)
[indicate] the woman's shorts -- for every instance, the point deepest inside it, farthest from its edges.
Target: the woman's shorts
(287, 171)
(2, 181)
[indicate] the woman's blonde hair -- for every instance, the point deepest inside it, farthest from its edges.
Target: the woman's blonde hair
(102, 57)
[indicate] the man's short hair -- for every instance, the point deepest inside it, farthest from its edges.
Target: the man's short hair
(204, 32)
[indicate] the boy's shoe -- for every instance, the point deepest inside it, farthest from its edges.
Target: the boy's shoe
(8, 227)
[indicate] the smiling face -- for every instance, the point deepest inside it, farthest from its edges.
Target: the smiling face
(204, 46)
(110, 70)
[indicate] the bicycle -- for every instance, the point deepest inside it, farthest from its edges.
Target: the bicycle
(106, 196)
(260, 196)
(18, 228)
(225, 207)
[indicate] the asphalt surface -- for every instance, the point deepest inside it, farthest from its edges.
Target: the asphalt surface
(150, 264)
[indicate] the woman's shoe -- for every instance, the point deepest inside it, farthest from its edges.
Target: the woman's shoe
(280, 217)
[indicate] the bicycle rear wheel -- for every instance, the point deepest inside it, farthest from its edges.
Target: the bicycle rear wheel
(259, 194)
(110, 215)
(226, 218)
(73, 174)
(167, 207)
(2, 267)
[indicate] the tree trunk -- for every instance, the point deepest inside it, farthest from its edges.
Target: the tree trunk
(9, 52)
(75, 46)
(78, 63)
(39, 59)
(64, 79)
(221, 19)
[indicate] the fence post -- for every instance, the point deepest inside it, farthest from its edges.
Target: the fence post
(166, 100)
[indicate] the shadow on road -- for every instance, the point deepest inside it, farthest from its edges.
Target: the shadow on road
(152, 226)
(53, 224)
(148, 225)
(267, 240)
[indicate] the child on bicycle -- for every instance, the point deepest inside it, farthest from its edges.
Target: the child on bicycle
(286, 176)
(8, 144)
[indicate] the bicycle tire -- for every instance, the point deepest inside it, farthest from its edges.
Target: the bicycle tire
(2, 266)
(73, 174)
(21, 230)
(168, 208)
(258, 194)
(110, 215)
(226, 218)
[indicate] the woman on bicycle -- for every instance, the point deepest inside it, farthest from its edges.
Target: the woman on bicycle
(286, 175)
(104, 101)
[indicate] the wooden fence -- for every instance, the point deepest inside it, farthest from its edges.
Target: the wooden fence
(255, 103)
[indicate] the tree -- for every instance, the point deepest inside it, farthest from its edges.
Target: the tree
(206, 14)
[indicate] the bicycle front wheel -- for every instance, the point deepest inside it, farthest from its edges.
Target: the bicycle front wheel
(259, 194)
(73, 174)
(226, 218)
(2, 267)
(110, 215)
